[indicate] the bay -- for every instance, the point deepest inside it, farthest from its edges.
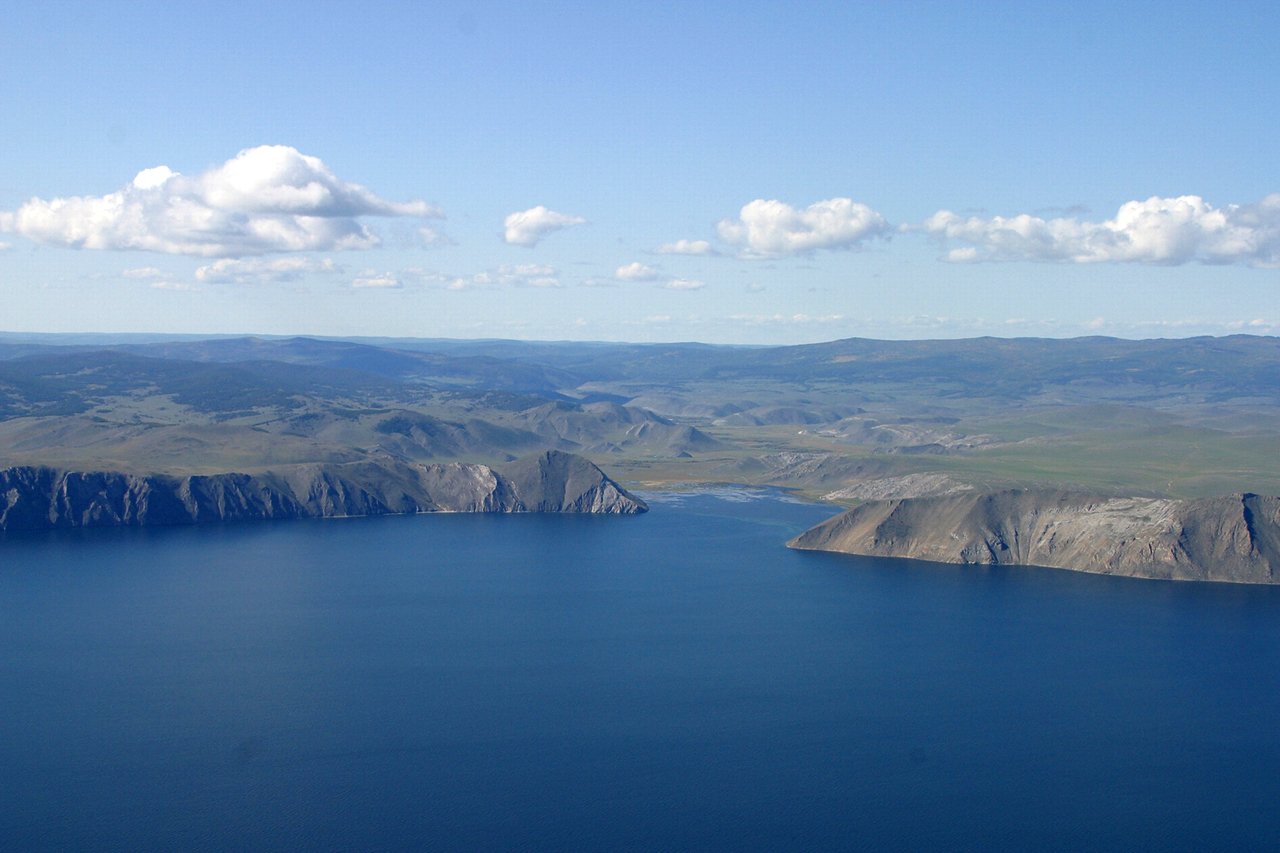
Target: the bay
(678, 680)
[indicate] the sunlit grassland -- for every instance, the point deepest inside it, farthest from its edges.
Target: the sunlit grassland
(1134, 451)
(1175, 461)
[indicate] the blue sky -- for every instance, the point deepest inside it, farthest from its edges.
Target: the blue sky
(747, 172)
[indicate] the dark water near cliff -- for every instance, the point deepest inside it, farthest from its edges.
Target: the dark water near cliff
(673, 681)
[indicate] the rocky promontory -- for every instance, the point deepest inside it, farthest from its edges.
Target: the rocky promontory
(33, 498)
(1233, 539)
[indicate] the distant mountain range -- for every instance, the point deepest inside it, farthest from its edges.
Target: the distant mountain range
(307, 426)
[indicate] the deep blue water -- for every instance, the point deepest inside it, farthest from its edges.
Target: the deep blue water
(677, 680)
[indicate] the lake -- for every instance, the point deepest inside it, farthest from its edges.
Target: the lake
(671, 681)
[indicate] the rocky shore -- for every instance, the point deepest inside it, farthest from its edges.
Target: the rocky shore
(1234, 538)
(33, 498)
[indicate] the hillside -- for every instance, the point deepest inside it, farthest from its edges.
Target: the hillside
(39, 498)
(843, 421)
(1233, 539)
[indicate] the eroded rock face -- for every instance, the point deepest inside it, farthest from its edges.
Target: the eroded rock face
(33, 498)
(1234, 538)
(562, 482)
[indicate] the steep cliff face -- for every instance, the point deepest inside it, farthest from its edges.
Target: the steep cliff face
(1234, 538)
(35, 498)
(562, 482)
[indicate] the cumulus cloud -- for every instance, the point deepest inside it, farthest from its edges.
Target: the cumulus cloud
(635, 271)
(267, 199)
(1167, 231)
(260, 270)
(771, 229)
(687, 247)
(527, 227)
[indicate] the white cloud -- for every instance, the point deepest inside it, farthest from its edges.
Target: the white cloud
(433, 238)
(258, 270)
(684, 284)
(786, 319)
(143, 274)
(687, 247)
(507, 275)
(1256, 326)
(4, 247)
(775, 229)
(267, 199)
(1167, 231)
(376, 280)
(635, 271)
(158, 278)
(527, 227)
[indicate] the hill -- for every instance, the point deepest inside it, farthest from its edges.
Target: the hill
(841, 421)
(1234, 538)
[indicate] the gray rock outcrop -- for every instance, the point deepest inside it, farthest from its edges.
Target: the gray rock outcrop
(33, 498)
(1234, 538)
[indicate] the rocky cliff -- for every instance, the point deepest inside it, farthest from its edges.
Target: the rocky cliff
(36, 497)
(1234, 539)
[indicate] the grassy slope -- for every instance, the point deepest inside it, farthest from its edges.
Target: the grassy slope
(1190, 418)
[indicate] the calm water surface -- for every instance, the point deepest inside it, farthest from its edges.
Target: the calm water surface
(677, 680)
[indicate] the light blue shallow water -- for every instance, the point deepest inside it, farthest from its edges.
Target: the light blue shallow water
(677, 680)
